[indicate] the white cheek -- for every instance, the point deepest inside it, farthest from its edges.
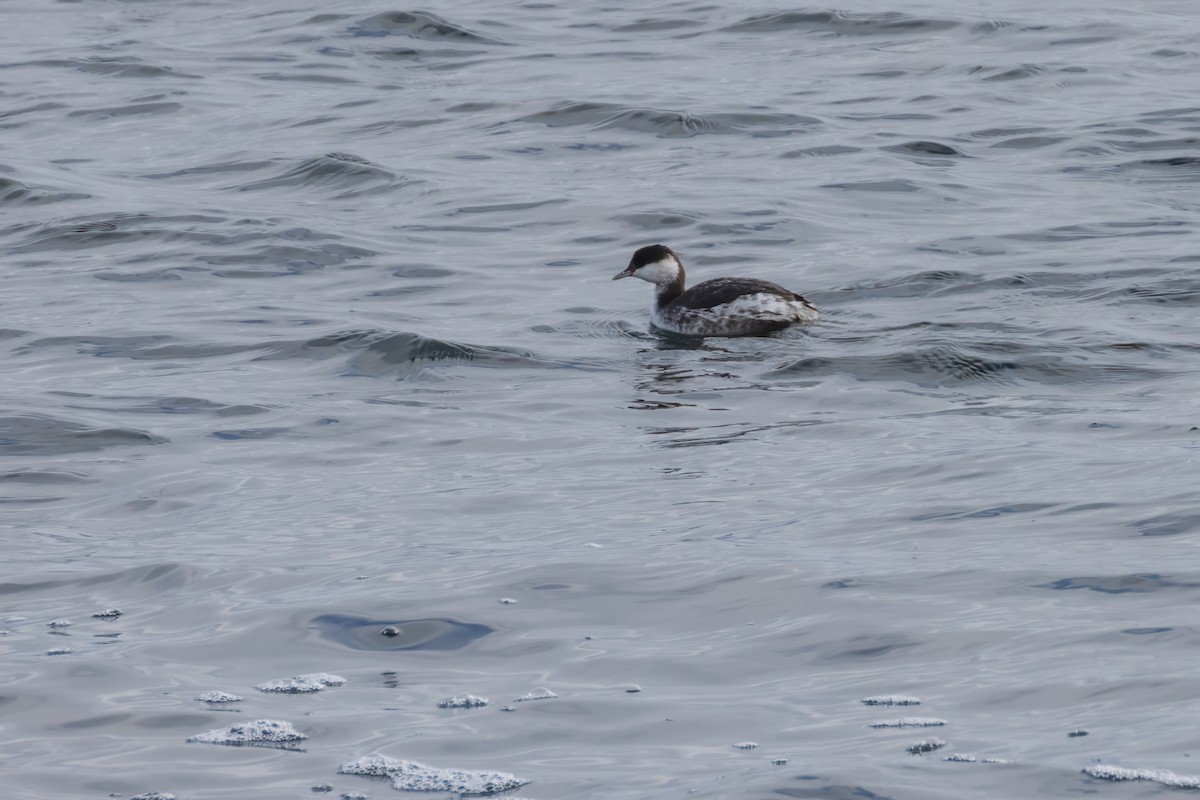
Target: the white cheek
(658, 272)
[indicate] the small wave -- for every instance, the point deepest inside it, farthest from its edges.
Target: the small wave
(309, 76)
(596, 329)
(843, 23)
(1171, 116)
(375, 352)
(668, 124)
(127, 67)
(113, 66)
(822, 151)
(1147, 142)
(92, 231)
(1167, 524)
(1006, 73)
(153, 577)
(16, 193)
(420, 54)
(205, 170)
(1172, 169)
(916, 284)
(30, 485)
(1186, 295)
(997, 133)
(1030, 142)
(1121, 584)
(680, 437)
(890, 186)
(131, 110)
(984, 513)
(950, 365)
(418, 24)
(11, 120)
(656, 221)
(657, 25)
(391, 126)
(1104, 230)
(150, 347)
(345, 173)
(924, 148)
(36, 434)
(43, 477)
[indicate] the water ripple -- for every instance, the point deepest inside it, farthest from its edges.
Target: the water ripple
(43, 435)
(417, 24)
(843, 23)
(344, 174)
(669, 124)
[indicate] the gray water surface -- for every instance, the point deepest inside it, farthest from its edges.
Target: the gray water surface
(308, 331)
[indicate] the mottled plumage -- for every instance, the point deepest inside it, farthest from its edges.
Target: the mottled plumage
(718, 307)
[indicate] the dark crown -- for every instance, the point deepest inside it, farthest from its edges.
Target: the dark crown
(650, 254)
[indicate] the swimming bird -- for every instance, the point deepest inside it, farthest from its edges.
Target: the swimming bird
(717, 307)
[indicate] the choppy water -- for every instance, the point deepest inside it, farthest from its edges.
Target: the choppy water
(308, 331)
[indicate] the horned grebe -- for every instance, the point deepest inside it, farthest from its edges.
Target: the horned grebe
(719, 307)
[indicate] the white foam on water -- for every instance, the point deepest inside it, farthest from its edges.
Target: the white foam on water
(969, 758)
(59, 623)
(745, 745)
(925, 746)
(218, 697)
(409, 776)
(260, 731)
(891, 700)
(60, 651)
(108, 613)
(911, 722)
(301, 684)
(1110, 772)
(540, 693)
(153, 796)
(507, 601)
(463, 701)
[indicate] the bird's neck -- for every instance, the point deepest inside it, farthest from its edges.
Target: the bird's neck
(664, 293)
